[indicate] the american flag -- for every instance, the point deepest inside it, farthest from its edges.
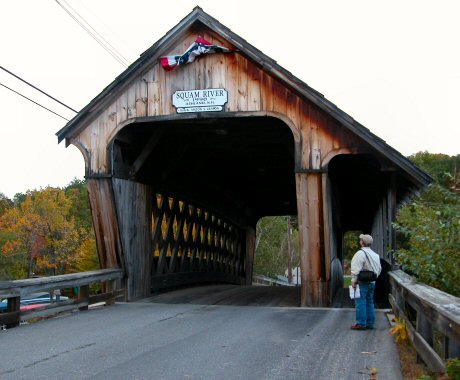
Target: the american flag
(199, 47)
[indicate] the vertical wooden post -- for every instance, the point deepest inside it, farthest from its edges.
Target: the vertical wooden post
(134, 203)
(289, 229)
(309, 206)
(250, 248)
(423, 327)
(14, 306)
(451, 349)
(392, 215)
(83, 295)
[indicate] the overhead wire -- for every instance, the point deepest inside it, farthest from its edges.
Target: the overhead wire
(120, 59)
(33, 101)
(114, 49)
(36, 88)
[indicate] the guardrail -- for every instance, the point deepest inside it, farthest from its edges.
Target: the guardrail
(14, 290)
(431, 316)
(263, 280)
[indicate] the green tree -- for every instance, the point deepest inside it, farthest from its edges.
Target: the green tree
(5, 203)
(431, 225)
(445, 169)
(271, 255)
(81, 212)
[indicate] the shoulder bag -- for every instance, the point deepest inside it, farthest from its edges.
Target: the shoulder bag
(367, 275)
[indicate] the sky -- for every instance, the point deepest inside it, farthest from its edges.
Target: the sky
(392, 65)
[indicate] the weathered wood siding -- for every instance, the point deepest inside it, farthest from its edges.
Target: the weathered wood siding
(250, 89)
(100, 194)
(134, 209)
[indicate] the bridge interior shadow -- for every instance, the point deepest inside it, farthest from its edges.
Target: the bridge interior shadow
(227, 294)
(240, 295)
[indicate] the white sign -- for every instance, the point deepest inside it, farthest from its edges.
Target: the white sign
(209, 100)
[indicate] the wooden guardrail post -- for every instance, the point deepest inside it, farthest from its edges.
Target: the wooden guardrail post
(13, 306)
(452, 349)
(423, 327)
(83, 295)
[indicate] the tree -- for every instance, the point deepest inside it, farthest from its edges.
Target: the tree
(5, 203)
(445, 169)
(78, 195)
(42, 232)
(271, 254)
(431, 225)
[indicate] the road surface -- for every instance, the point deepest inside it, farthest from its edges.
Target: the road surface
(147, 340)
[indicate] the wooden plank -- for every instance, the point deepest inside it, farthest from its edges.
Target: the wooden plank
(83, 297)
(217, 70)
(254, 96)
(131, 111)
(302, 214)
(106, 297)
(134, 210)
(232, 82)
(266, 92)
(305, 123)
(105, 222)
(249, 254)
(13, 307)
(141, 97)
(327, 225)
(242, 84)
(10, 319)
(153, 91)
(314, 138)
(279, 97)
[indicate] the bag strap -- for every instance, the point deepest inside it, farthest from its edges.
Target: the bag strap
(371, 267)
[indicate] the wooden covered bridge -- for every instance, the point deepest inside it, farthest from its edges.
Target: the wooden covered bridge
(181, 164)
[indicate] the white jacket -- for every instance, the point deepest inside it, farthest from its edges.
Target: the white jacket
(359, 261)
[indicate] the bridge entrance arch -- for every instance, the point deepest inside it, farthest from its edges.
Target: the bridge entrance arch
(177, 186)
(204, 182)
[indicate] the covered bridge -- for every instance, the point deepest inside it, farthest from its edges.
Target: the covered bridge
(182, 163)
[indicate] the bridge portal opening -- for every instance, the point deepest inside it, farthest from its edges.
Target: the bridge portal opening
(277, 251)
(209, 181)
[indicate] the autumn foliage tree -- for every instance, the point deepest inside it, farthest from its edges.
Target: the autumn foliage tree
(47, 233)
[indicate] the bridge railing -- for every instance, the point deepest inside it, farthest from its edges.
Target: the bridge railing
(13, 291)
(431, 316)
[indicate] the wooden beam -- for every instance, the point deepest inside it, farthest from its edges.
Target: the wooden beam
(146, 151)
(313, 288)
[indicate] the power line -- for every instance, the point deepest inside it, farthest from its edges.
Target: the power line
(30, 100)
(104, 46)
(95, 31)
(36, 88)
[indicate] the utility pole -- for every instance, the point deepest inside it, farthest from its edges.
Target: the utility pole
(289, 243)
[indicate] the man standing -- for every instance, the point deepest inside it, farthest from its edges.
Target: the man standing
(367, 259)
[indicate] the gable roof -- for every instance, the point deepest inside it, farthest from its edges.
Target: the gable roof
(269, 65)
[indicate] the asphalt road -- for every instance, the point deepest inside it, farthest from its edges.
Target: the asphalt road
(190, 341)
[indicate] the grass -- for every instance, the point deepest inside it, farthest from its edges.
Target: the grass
(346, 281)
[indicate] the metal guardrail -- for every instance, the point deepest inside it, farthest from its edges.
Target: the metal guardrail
(431, 316)
(13, 291)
